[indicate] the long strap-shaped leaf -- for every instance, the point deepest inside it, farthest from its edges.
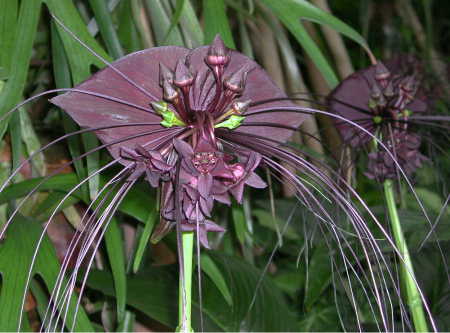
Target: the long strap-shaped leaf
(291, 12)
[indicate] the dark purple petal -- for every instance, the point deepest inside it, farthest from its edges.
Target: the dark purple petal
(204, 184)
(254, 180)
(183, 148)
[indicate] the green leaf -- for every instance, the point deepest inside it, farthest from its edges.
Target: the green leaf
(114, 247)
(62, 182)
(16, 254)
(20, 56)
(211, 269)
(269, 312)
(105, 24)
(8, 21)
(319, 272)
(127, 30)
(80, 60)
(136, 204)
(239, 223)
(290, 12)
(267, 220)
(216, 22)
(190, 26)
(159, 301)
(154, 293)
(160, 19)
(143, 240)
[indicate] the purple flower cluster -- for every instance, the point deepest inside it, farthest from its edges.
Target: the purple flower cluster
(405, 148)
(176, 144)
(381, 101)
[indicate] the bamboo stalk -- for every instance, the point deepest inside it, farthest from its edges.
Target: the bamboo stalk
(267, 50)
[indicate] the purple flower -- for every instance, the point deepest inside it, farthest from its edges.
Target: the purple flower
(385, 101)
(174, 106)
(374, 98)
(405, 148)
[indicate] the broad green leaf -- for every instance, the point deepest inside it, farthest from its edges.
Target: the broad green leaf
(267, 220)
(210, 268)
(269, 312)
(154, 293)
(321, 318)
(319, 275)
(16, 254)
(62, 183)
(216, 22)
(159, 301)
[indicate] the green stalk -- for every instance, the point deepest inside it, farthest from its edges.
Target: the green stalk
(185, 289)
(413, 297)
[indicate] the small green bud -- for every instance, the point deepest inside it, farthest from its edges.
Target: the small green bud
(169, 117)
(406, 113)
(231, 123)
(160, 107)
(377, 119)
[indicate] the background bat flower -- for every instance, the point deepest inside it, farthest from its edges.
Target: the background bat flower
(375, 97)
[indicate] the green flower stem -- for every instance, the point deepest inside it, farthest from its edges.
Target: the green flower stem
(184, 324)
(413, 297)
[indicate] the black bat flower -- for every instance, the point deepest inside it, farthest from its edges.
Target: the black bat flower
(192, 93)
(387, 102)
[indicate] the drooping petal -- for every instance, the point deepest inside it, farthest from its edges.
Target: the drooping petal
(183, 148)
(255, 181)
(204, 185)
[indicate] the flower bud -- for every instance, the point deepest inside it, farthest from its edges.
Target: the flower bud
(165, 74)
(375, 91)
(169, 92)
(183, 76)
(240, 107)
(389, 90)
(381, 72)
(218, 54)
(236, 81)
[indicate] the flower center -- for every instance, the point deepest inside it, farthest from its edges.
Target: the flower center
(204, 162)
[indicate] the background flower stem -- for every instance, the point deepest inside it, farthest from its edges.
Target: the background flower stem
(413, 297)
(184, 324)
